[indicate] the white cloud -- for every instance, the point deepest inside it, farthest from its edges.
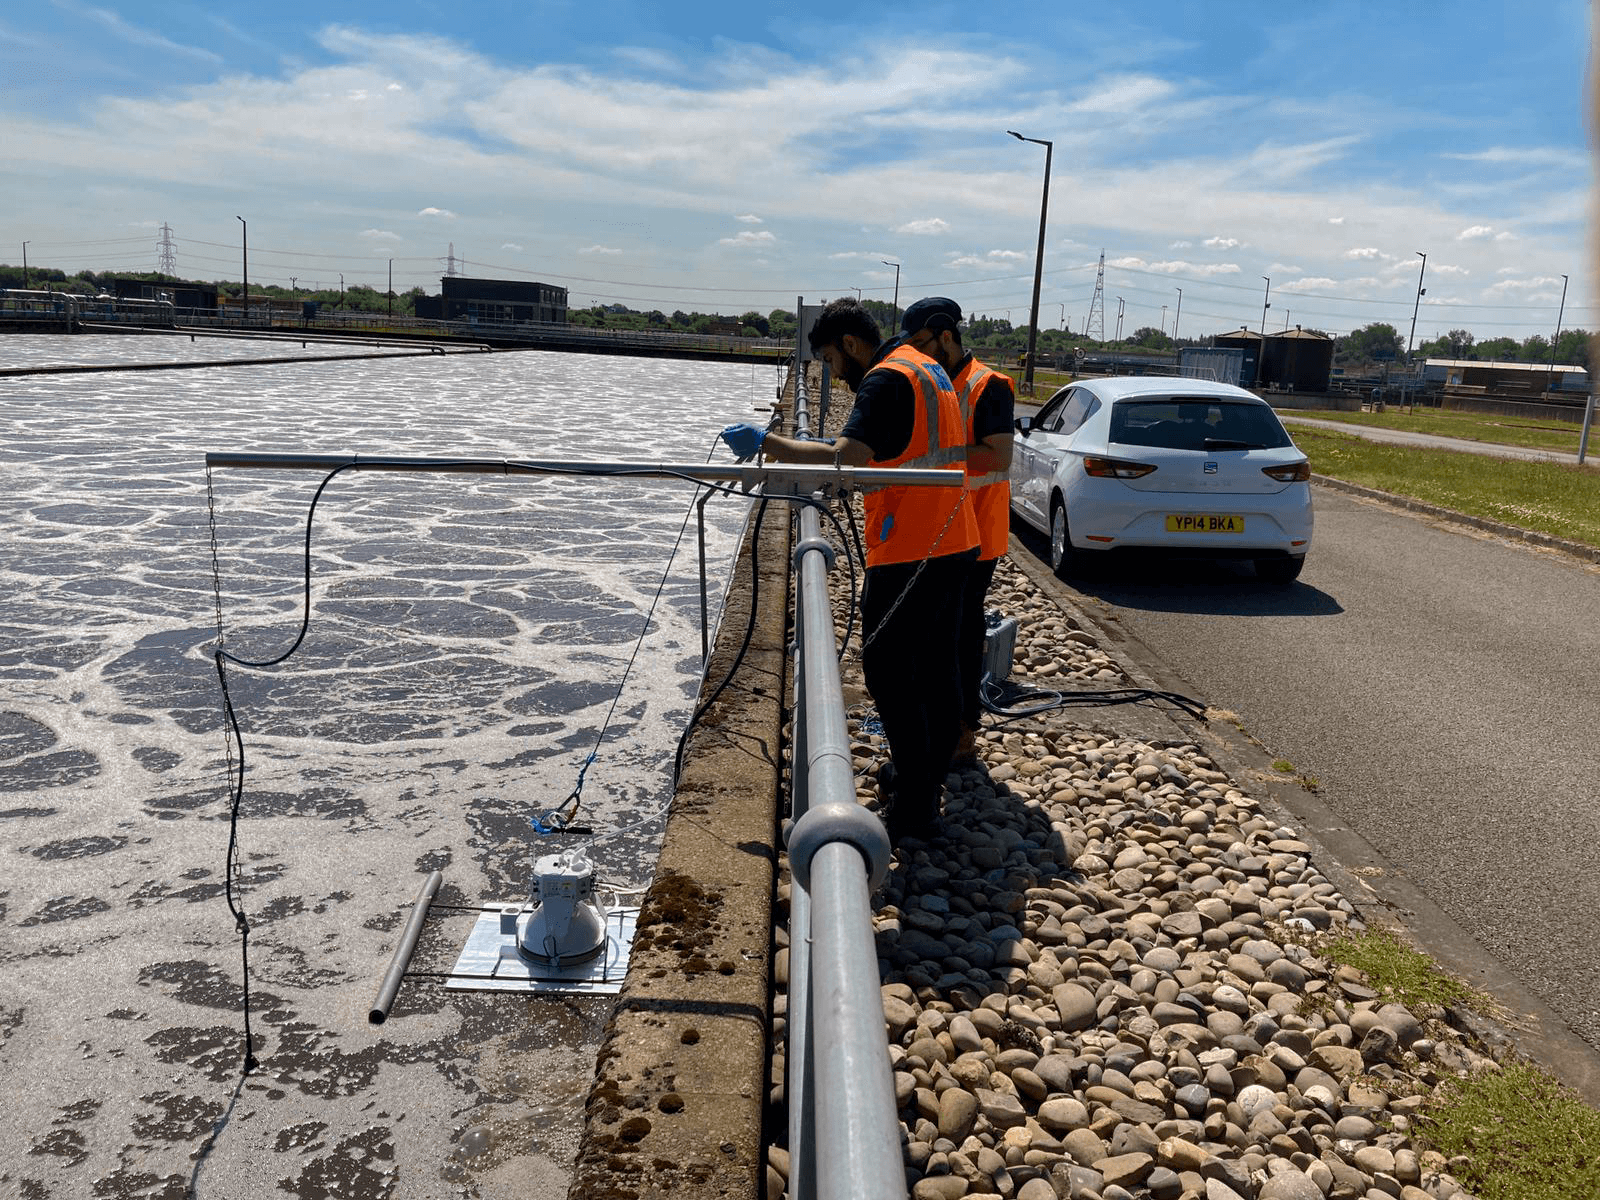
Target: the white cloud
(1311, 283)
(510, 246)
(749, 237)
(1222, 243)
(1449, 269)
(1174, 267)
(380, 235)
(1524, 285)
(1367, 253)
(926, 225)
(1505, 235)
(597, 249)
(1526, 156)
(134, 35)
(1279, 268)
(436, 212)
(1180, 245)
(394, 87)
(1474, 231)
(748, 218)
(1335, 220)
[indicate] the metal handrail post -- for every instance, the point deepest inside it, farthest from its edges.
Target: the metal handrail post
(858, 1130)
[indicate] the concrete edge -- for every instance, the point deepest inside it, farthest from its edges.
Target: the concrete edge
(678, 1100)
(1379, 890)
(1516, 533)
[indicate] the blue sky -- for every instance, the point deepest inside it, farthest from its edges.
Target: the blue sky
(726, 157)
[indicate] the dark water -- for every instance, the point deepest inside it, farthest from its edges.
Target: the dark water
(467, 637)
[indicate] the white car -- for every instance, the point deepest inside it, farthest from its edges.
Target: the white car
(1166, 464)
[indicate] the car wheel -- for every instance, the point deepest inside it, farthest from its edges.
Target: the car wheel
(1280, 570)
(1064, 560)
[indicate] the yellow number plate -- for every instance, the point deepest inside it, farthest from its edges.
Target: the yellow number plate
(1204, 523)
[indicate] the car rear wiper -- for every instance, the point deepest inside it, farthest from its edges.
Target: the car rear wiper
(1226, 444)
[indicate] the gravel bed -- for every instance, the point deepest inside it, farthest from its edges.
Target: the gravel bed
(1100, 980)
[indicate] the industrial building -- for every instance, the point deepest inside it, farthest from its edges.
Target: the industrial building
(181, 295)
(494, 302)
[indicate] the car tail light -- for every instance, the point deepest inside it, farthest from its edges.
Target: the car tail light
(1115, 468)
(1293, 473)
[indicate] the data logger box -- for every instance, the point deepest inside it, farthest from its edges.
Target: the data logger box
(999, 645)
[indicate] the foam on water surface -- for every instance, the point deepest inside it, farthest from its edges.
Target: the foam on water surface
(466, 639)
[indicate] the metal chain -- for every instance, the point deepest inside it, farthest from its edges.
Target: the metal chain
(915, 575)
(216, 566)
(216, 592)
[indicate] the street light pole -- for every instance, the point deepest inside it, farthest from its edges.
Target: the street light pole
(1265, 305)
(1550, 385)
(896, 267)
(24, 266)
(244, 250)
(391, 287)
(1063, 308)
(1163, 320)
(1038, 258)
(1421, 292)
(1120, 306)
(1178, 316)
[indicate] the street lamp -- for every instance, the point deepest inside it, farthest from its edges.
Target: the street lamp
(391, 287)
(24, 266)
(857, 291)
(1265, 305)
(1163, 320)
(244, 250)
(1550, 386)
(1118, 338)
(896, 267)
(1178, 316)
(1038, 259)
(1063, 308)
(1421, 292)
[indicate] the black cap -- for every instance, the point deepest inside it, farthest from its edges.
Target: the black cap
(932, 312)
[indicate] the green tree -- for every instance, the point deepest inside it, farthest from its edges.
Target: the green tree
(1501, 349)
(757, 322)
(1376, 342)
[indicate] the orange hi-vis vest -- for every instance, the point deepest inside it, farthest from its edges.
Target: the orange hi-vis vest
(991, 491)
(908, 524)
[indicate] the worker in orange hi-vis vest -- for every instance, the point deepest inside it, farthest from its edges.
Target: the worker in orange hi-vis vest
(921, 543)
(988, 403)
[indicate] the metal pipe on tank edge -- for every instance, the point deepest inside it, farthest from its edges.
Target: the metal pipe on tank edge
(402, 953)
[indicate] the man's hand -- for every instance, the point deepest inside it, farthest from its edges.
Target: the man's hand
(744, 440)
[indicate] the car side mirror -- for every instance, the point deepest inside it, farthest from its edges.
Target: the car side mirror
(1024, 424)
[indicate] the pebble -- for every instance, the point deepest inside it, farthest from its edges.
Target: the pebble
(1102, 979)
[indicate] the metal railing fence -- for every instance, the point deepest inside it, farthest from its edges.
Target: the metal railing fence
(844, 1130)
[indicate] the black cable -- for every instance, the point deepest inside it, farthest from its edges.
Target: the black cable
(749, 635)
(1094, 698)
(241, 925)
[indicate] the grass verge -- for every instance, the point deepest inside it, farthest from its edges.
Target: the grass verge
(1477, 427)
(1399, 973)
(1515, 1134)
(1553, 498)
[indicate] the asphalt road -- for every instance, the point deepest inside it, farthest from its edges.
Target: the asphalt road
(1402, 437)
(1440, 686)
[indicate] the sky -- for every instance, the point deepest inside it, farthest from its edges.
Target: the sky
(1250, 163)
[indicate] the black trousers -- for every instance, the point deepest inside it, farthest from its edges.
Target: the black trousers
(912, 671)
(969, 641)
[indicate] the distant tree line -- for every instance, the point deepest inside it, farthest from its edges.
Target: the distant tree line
(1371, 344)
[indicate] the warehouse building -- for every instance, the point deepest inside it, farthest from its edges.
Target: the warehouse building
(495, 302)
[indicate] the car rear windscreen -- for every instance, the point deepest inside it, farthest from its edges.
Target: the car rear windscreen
(1175, 423)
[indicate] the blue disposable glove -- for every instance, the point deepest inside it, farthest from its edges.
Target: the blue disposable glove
(744, 440)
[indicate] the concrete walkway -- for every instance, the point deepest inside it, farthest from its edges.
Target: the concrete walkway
(1401, 437)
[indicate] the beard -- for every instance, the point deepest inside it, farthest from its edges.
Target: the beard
(853, 374)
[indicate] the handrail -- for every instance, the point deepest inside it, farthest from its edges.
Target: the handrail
(844, 1132)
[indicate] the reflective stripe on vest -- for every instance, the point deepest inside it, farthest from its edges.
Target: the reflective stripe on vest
(991, 490)
(908, 524)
